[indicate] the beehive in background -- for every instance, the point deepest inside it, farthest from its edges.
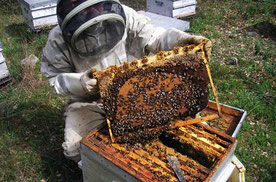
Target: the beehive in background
(172, 8)
(4, 72)
(39, 15)
(166, 22)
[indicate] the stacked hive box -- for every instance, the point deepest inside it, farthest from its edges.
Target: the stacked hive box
(39, 15)
(102, 160)
(172, 8)
(4, 72)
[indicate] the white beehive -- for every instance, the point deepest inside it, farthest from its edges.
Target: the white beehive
(40, 14)
(167, 22)
(4, 72)
(172, 8)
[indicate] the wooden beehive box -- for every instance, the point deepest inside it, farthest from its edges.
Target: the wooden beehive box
(203, 152)
(39, 15)
(4, 72)
(172, 8)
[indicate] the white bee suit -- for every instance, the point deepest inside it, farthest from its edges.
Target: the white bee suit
(64, 68)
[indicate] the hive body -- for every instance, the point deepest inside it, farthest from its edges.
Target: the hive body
(201, 151)
(142, 98)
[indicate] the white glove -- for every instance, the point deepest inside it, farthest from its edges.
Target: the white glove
(173, 38)
(194, 39)
(77, 84)
(88, 83)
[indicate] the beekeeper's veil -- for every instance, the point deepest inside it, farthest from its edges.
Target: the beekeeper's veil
(91, 27)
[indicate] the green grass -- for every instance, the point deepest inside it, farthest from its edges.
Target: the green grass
(31, 115)
(250, 85)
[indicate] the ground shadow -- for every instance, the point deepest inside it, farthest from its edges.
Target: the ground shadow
(56, 166)
(10, 7)
(265, 28)
(23, 32)
(20, 31)
(39, 126)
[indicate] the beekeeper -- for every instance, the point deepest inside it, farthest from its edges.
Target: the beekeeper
(97, 33)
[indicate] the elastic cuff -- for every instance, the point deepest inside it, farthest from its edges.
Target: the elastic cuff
(76, 158)
(69, 84)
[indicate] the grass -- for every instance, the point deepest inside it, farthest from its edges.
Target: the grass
(31, 115)
(250, 85)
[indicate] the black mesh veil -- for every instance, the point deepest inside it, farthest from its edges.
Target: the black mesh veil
(91, 27)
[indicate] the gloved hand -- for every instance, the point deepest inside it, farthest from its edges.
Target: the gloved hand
(76, 84)
(88, 83)
(172, 38)
(194, 39)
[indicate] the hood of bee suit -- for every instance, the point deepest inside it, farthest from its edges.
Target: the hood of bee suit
(91, 27)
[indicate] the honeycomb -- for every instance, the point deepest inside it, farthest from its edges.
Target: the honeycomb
(143, 97)
(199, 149)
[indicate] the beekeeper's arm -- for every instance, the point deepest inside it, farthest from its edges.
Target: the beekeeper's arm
(56, 66)
(146, 37)
(173, 37)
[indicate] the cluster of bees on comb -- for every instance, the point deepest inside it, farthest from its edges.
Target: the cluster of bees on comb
(143, 97)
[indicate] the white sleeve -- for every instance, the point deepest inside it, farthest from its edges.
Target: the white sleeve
(139, 32)
(144, 37)
(168, 40)
(58, 68)
(69, 84)
(56, 57)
